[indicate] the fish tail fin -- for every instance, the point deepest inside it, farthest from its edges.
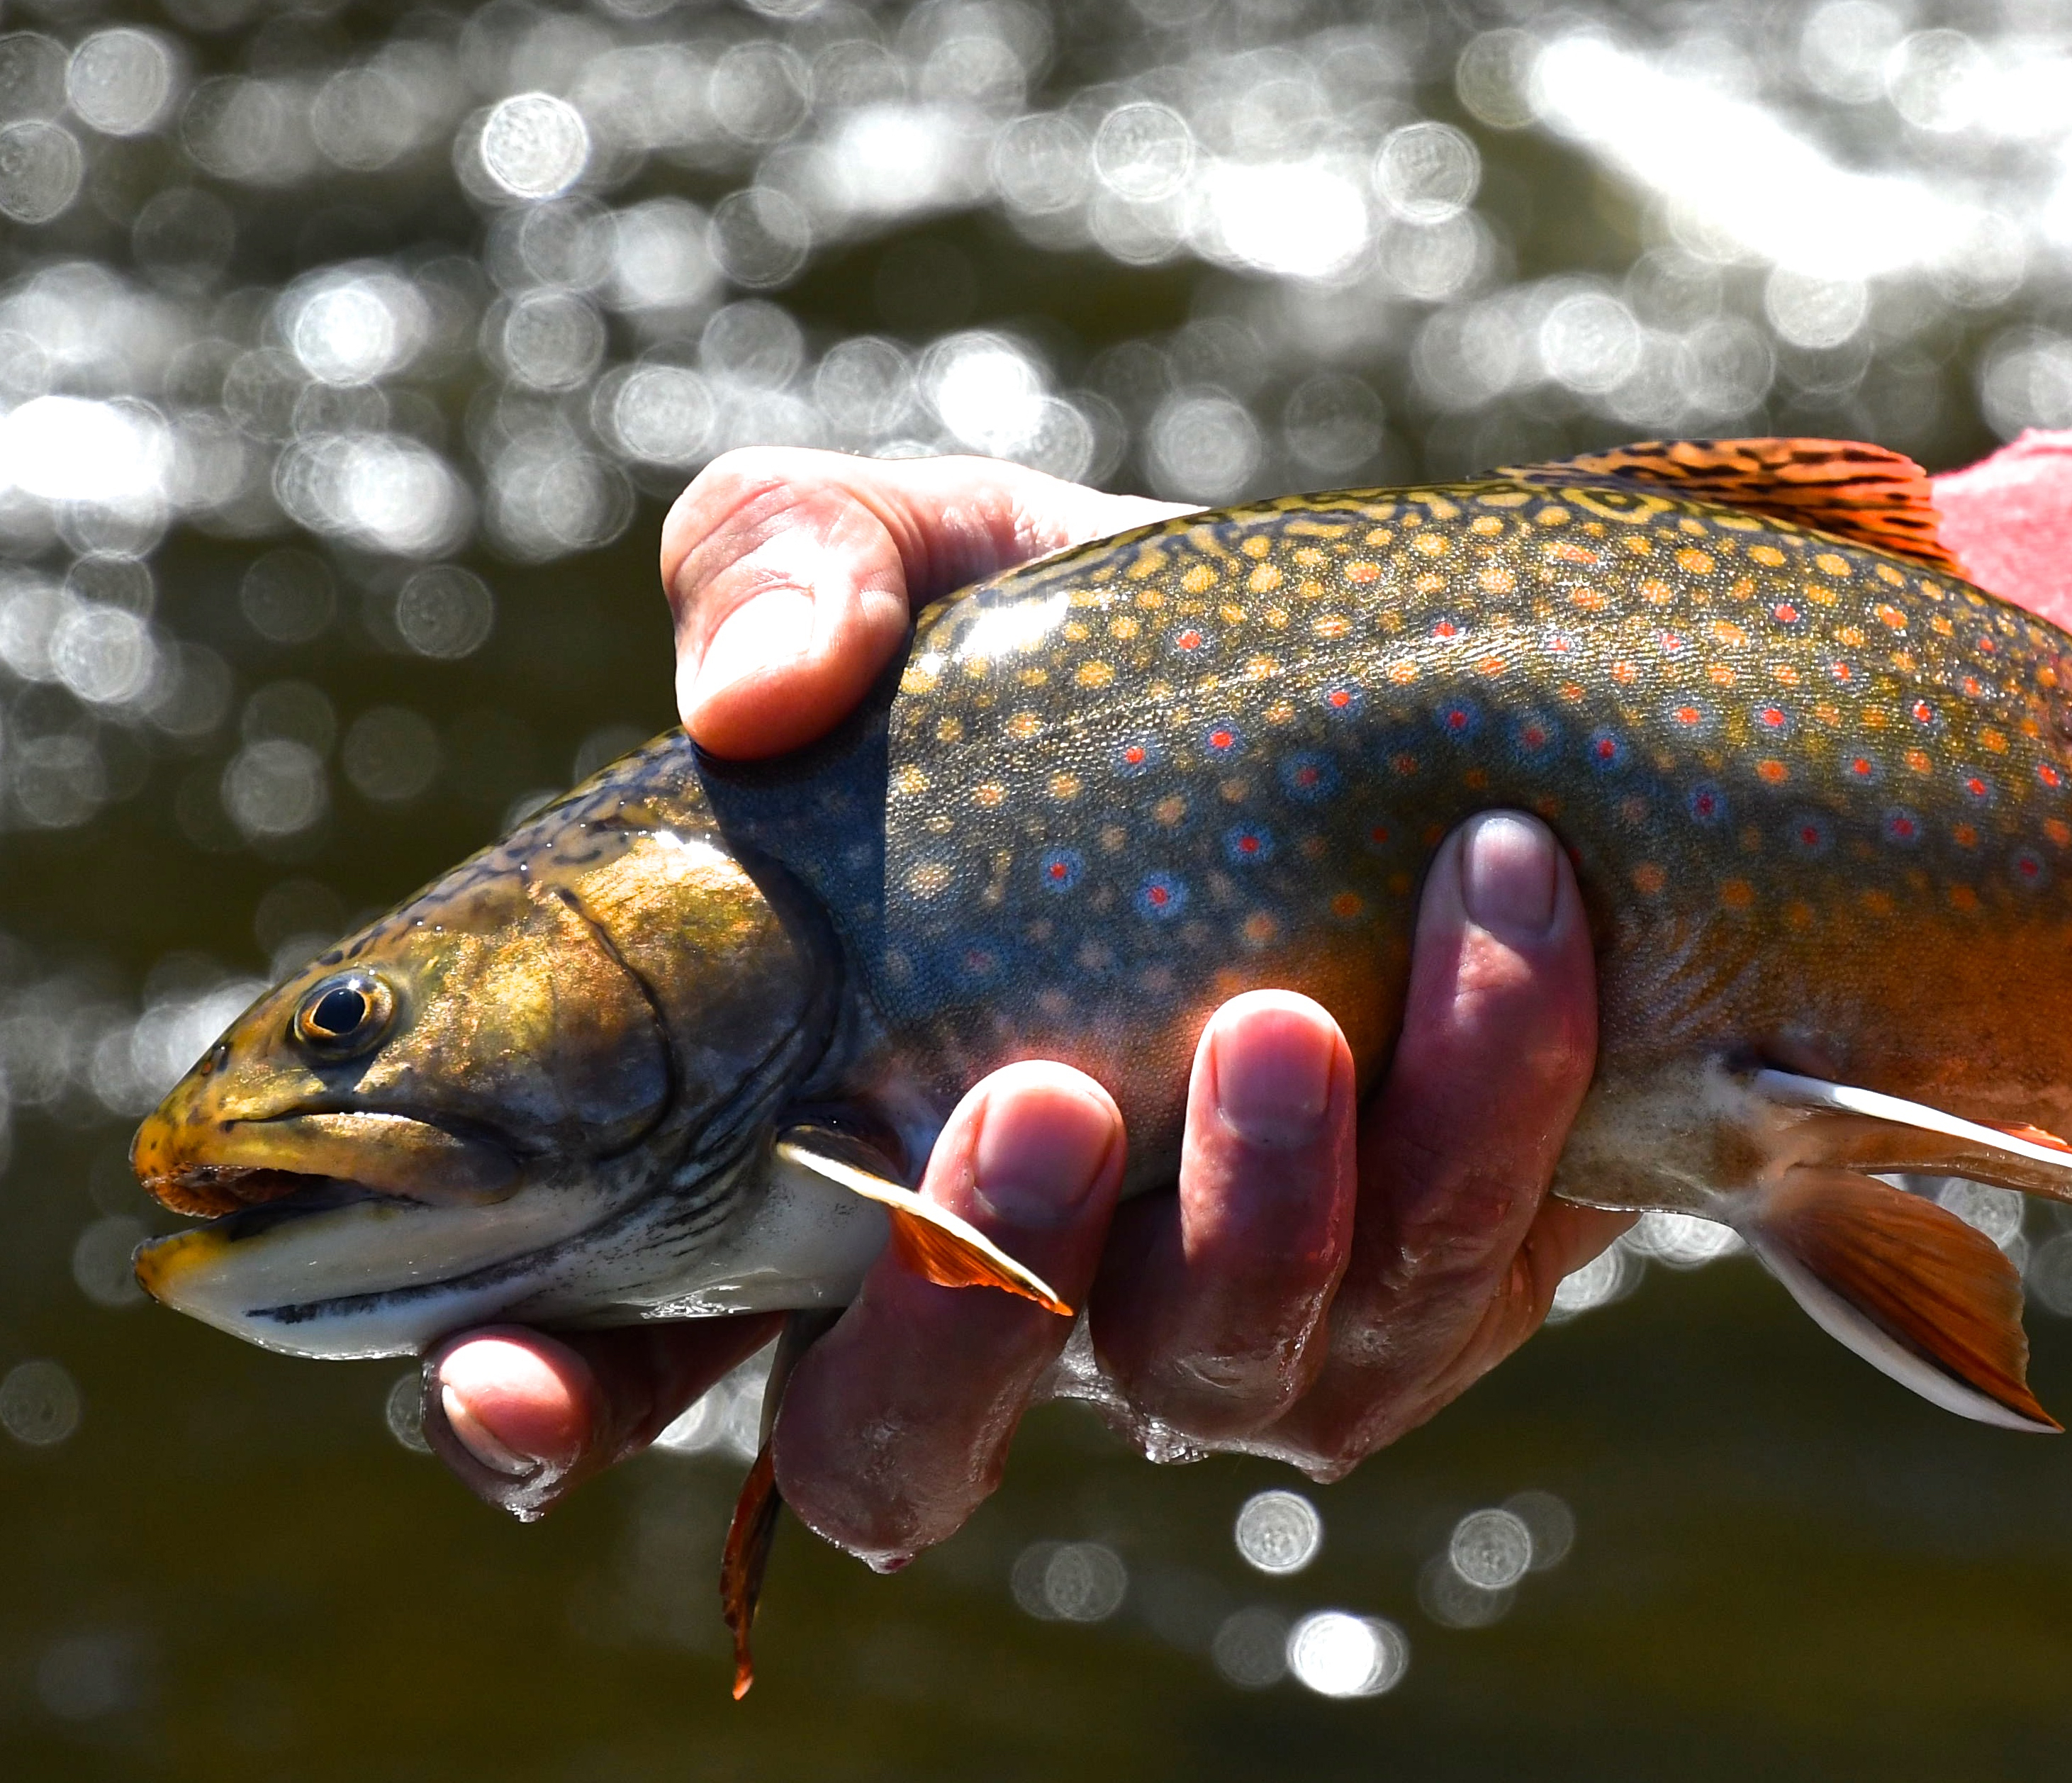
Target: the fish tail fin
(1865, 494)
(1905, 1283)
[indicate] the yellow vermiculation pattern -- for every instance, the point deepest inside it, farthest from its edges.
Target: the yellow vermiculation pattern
(1224, 758)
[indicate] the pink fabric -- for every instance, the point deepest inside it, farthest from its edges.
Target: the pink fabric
(2009, 518)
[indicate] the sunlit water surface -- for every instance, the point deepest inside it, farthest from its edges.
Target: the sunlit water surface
(348, 353)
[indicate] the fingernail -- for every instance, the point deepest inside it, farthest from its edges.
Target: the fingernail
(1272, 1075)
(480, 1441)
(1040, 1154)
(1508, 876)
(775, 627)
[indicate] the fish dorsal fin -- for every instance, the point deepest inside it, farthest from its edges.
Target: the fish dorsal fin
(932, 1242)
(1865, 494)
(1905, 1283)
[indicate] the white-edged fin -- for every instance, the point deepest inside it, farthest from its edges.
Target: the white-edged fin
(1905, 1283)
(931, 1240)
(2022, 1163)
(1854, 1330)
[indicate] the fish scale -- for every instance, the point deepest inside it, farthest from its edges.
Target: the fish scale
(679, 1045)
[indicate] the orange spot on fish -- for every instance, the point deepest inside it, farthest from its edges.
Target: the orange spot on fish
(1728, 633)
(1798, 914)
(1259, 927)
(1879, 904)
(1737, 894)
(1403, 764)
(1773, 771)
(1624, 673)
(1965, 836)
(1890, 615)
(1917, 760)
(1963, 897)
(1696, 560)
(1721, 673)
(1687, 714)
(1786, 612)
(1492, 666)
(1671, 642)
(1347, 905)
(1445, 628)
(1362, 572)
(2049, 775)
(1649, 878)
(1189, 640)
(1589, 600)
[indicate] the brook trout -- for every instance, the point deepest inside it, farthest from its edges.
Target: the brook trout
(677, 1045)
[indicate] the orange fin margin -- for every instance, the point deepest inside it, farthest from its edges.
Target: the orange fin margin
(744, 1559)
(2035, 1135)
(947, 1259)
(1913, 1270)
(1865, 494)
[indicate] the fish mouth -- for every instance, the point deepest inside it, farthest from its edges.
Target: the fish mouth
(208, 1168)
(223, 1192)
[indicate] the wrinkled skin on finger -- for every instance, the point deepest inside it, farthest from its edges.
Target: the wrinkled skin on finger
(792, 574)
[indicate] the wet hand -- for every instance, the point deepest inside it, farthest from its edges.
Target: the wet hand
(1326, 1277)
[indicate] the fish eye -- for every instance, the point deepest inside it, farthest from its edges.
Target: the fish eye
(344, 1015)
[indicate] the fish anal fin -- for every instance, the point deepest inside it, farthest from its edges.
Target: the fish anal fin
(931, 1240)
(745, 1559)
(1906, 1284)
(1865, 494)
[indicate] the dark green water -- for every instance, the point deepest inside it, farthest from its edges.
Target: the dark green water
(290, 315)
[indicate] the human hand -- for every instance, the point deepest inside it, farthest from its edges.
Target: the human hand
(1326, 1277)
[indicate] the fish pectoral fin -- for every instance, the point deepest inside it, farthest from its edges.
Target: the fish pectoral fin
(746, 1557)
(1866, 494)
(1905, 1283)
(932, 1242)
(1864, 1130)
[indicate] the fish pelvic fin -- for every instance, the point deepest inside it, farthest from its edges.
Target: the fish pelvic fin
(1862, 1130)
(934, 1243)
(1907, 1286)
(1865, 494)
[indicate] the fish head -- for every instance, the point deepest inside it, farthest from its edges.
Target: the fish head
(455, 1114)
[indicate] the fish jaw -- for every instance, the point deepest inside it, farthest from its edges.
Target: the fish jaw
(194, 1166)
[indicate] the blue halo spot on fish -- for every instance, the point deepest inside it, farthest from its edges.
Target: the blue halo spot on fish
(1138, 756)
(1533, 736)
(1061, 869)
(1771, 722)
(1810, 834)
(1342, 699)
(1690, 717)
(1605, 751)
(1248, 845)
(1861, 768)
(1222, 742)
(1901, 825)
(1977, 789)
(1161, 897)
(1707, 804)
(1309, 776)
(1192, 641)
(2028, 869)
(1457, 719)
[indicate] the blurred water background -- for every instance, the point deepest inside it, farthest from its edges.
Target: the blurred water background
(349, 354)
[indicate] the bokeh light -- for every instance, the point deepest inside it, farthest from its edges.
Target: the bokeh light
(1279, 1532)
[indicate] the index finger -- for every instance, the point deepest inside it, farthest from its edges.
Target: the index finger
(792, 574)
